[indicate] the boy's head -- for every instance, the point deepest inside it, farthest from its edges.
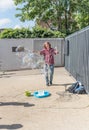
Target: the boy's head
(47, 45)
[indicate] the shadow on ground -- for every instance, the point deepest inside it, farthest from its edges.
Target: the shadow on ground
(6, 75)
(16, 104)
(13, 126)
(62, 84)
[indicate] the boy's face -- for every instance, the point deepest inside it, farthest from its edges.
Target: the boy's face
(47, 46)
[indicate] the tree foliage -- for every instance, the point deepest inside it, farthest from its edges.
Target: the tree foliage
(82, 16)
(63, 15)
(36, 32)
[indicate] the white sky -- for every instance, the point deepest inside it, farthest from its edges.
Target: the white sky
(7, 16)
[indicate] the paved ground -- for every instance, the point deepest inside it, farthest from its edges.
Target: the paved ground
(60, 111)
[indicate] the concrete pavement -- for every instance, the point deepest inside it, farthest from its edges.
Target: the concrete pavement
(60, 111)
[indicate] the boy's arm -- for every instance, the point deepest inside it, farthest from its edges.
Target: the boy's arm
(36, 52)
(42, 52)
(56, 51)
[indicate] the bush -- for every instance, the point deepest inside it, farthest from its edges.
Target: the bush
(36, 32)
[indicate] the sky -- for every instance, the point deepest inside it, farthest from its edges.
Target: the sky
(7, 16)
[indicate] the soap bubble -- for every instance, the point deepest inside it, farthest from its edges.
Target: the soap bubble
(20, 49)
(29, 59)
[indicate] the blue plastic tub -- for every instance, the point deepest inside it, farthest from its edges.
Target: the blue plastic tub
(41, 94)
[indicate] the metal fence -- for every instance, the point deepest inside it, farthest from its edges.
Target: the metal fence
(76, 50)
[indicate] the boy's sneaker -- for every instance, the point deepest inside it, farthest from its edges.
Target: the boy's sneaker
(47, 84)
(50, 83)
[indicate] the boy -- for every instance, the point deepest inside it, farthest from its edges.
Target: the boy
(48, 54)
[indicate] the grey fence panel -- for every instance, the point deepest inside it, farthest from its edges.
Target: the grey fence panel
(77, 62)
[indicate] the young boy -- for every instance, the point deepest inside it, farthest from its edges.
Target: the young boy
(48, 54)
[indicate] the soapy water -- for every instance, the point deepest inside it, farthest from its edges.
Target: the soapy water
(41, 93)
(29, 59)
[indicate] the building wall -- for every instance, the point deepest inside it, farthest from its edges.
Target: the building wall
(9, 60)
(77, 58)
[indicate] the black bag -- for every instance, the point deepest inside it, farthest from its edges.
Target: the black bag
(77, 88)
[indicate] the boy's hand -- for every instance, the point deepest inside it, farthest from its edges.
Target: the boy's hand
(57, 52)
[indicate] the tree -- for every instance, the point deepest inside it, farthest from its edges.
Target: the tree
(61, 15)
(82, 16)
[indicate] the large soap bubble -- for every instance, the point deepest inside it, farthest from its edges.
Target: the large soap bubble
(29, 59)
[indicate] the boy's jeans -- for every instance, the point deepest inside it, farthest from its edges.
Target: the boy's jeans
(48, 71)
